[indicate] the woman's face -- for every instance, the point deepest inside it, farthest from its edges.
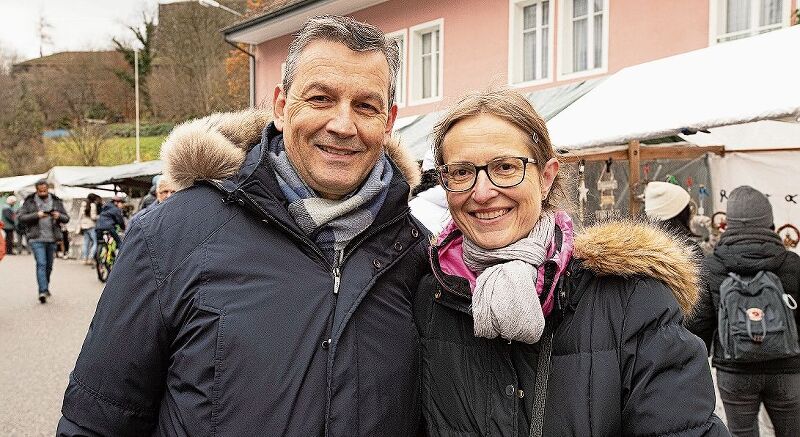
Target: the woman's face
(490, 216)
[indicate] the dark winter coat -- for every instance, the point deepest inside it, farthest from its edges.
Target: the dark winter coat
(622, 363)
(28, 216)
(745, 252)
(220, 316)
(110, 217)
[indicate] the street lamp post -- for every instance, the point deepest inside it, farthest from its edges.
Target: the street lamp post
(136, 91)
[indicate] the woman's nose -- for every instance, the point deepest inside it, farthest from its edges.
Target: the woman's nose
(484, 189)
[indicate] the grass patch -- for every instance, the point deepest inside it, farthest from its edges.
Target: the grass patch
(115, 151)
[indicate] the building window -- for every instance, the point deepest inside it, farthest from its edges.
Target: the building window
(585, 35)
(735, 19)
(531, 40)
(400, 80)
(426, 61)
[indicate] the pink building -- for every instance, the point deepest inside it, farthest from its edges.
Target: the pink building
(449, 47)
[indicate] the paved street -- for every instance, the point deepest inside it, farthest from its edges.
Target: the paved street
(39, 343)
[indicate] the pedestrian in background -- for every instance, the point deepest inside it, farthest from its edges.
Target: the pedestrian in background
(752, 251)
(110, 219)
(669, 205)
(43, 213)
(9, 223)
(87, 220)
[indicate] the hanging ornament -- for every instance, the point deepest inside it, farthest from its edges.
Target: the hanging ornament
(582, 190)
(671, 179)
(790, 234)
(606, 186)
(702, 194)
(689, 183)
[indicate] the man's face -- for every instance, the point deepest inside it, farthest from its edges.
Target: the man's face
(164, 191)
(42, 190)
(335, 118)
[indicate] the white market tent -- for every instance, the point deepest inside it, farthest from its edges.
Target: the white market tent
(14, 183)
(94, 176)
(751, 79)
(744, 93)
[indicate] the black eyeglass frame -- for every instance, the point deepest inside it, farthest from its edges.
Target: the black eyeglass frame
(525, 161)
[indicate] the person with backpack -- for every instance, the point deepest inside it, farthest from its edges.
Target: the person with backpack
(748, 318)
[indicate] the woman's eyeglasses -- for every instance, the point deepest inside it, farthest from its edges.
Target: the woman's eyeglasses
(505, 172)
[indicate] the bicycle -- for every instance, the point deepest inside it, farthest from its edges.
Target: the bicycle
(105, 256)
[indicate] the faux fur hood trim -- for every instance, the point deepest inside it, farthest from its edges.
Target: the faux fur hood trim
(628, 248)
(214, 147)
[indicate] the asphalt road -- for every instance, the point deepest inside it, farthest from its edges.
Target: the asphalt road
(39, 343)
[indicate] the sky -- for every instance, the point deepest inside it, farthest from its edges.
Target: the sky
(75, 24)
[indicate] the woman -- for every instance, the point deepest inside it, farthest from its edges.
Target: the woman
(669, 206)
(87, 221)
(616, 359)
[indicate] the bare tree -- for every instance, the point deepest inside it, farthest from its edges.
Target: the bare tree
(189, 76)
(21, 146)
(85, 141)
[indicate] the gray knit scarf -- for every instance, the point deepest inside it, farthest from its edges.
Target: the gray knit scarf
(505, 302)
(331, 223)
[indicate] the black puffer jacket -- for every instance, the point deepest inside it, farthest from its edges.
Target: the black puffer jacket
(745, 252)
(622, 363)
(220, 318)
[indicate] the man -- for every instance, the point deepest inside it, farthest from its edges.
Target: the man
(164, 189)
(278, 300)
(750, 249)
(110, 218)
(42, 213)
(9, 223)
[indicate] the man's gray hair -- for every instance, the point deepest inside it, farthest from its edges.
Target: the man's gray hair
(357, 36)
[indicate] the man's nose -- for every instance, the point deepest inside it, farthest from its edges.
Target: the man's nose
(341, 123)
(484, 190)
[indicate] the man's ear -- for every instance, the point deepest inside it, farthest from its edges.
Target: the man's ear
(278, 105)
(387, 134)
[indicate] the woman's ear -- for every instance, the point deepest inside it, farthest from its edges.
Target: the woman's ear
(549, 173)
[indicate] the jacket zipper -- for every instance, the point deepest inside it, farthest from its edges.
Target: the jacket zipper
(440, 280)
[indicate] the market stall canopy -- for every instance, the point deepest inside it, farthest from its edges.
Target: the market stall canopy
(14, 183)
(759, 135)
(137, 174)
(415, 131)
(735, 82)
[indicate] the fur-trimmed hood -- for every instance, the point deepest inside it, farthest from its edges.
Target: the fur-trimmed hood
(629, 248)
(214, 147)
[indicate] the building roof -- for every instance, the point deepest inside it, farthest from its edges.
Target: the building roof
(282, 17)
(270, 9)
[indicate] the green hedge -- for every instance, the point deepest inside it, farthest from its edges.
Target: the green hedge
(128, 130)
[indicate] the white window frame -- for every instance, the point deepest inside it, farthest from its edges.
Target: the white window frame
(717, 17)
(415, 76)
(401, 86)
(515, 43)
(565, 41)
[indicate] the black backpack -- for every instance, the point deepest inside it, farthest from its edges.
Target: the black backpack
(756, 318)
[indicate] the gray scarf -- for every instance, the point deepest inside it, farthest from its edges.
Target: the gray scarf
(331, 223)
(505, 302)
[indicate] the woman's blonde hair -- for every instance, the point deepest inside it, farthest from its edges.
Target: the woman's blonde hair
(513, 107)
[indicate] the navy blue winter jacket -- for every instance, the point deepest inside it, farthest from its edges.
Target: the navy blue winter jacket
(220, 318)
(110, 216)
